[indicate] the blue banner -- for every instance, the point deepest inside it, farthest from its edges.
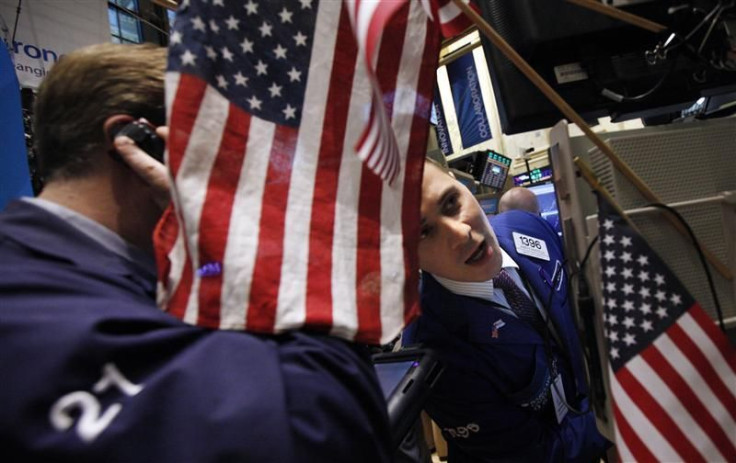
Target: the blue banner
(443, 136)
(15, 179)
(469, 105)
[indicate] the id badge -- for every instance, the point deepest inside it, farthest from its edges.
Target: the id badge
(530, 246)
(557, 398)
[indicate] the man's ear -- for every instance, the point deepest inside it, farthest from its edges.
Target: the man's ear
(115, 122)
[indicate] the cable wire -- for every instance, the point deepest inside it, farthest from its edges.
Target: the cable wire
(610, 94)
(548, 345)
(15, 26)
(587, 253)
(710, 28)
(704, 21)
(698, 248)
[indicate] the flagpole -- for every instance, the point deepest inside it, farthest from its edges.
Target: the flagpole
(624, 16)
(590, 177)
(573, 116)
(587, 173)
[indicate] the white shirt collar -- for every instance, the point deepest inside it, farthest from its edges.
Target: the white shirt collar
(479, 289)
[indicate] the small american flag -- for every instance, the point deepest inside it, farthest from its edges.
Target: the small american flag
(283, 128)
(674, 372)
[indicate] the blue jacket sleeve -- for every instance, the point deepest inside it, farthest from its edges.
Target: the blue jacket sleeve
(482, 419)
(93, 371)
(197, 395)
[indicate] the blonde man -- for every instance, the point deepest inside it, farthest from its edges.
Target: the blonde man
(495, 308)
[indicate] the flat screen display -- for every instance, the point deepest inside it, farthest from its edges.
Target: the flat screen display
(406, 378)
(542, 174)
(548, 209)
(489, 205)
(466, 179)
(390, 374)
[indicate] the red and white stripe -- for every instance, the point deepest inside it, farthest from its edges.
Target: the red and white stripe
(676, 400)
(377, 145)
(452, 21)
(307, 235)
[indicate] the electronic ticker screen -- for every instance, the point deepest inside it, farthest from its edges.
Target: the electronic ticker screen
(492, 169)
(533, 176)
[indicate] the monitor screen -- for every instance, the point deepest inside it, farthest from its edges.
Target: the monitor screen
(466, 179)
(539, 175)
(489, 205)
(522, 179)
(548, 209)
(406, 378)
(390, 374)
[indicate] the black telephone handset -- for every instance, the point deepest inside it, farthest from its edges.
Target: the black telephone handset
(144, 135)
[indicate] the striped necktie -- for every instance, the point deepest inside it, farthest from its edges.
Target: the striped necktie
(523, 307)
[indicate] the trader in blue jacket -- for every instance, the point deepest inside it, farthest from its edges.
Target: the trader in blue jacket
(495, 307)
(91, 370)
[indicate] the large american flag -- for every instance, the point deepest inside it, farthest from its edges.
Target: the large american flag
(674, 372)
(296, 153)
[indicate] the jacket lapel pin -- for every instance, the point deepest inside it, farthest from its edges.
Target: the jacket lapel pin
(498, 324)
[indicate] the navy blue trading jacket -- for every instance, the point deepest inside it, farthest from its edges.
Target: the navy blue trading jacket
(93, 371)
(499, 368)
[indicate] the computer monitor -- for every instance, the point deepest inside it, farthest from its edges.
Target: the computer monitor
(406, 378)
(489, 203)
(539, 175)
(548, 209)
(466, 179)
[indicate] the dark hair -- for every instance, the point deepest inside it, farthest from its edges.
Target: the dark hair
(82, 90)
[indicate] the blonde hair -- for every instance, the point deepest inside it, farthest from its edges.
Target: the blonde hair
(82, 90)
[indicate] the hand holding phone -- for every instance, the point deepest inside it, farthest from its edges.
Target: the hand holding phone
(150, 169)
(144, 135)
